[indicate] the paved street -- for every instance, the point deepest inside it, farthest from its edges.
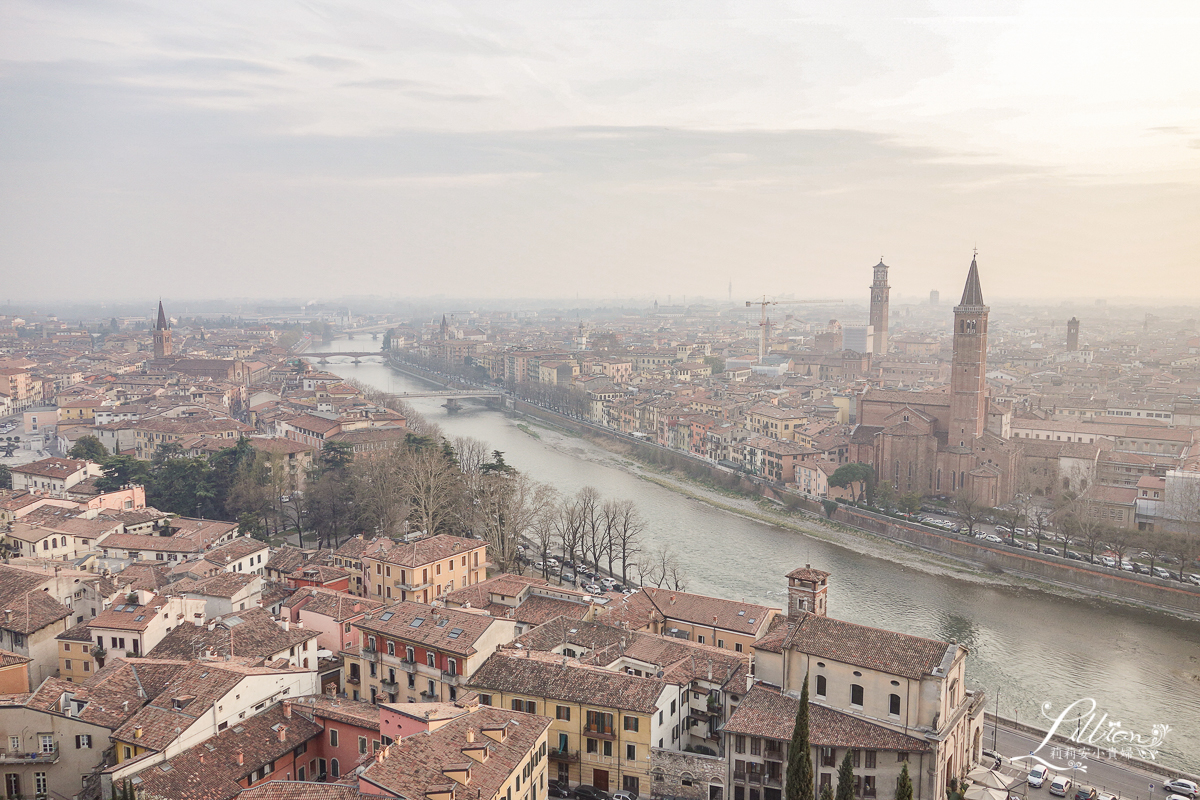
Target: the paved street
(1104, 775)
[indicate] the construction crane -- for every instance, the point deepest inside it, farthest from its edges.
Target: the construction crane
(762, 324)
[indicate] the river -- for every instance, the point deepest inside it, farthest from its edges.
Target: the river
(1028, 647)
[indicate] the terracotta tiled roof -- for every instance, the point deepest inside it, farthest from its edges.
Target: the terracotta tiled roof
(32, 609)
(537, 609)
(353, 712)
(552, 677)
(697, 609)
(765, 712)
(446, 629)
(422, 552)
(210, 770)
(302, 790)
(329, 603)
(864, 646)
(252, 632)
(232, 551)
(51, 468)
(413, 766)
(224, 584)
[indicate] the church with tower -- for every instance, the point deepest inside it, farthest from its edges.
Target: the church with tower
(947, 440)
(163, 348)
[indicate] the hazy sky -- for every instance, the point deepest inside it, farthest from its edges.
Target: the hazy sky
(609, 149)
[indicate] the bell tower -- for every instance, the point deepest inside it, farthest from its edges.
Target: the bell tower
(806, 591)
(879, 309)
(968, 386)
(162, 335)
(1073, 334)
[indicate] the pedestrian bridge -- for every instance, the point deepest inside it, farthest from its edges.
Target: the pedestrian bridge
(463, 394)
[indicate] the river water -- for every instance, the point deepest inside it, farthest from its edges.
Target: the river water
(1028, 648)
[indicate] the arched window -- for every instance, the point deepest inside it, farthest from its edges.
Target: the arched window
(391, 648)
(821, 686)
(894, 704)
(45, 544)
(335, 769)
(856, 695)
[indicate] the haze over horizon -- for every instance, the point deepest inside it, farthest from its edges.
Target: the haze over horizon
(606, 150)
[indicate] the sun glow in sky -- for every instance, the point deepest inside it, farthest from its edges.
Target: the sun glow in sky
(610, 150)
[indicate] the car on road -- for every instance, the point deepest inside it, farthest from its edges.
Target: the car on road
(1031, 546)
(1127, 566)
(558, 789)
(625, 795)
(593, 588)
(586, 792)
(608, 582)
(1085, 793)
(1159, 572)
(1194, 578)
(1141, 569)
(539, 565)
(1108, 561)
(1037, 776)
(1181, 786)
(991, 537)
(1071, 554)
(1050, 551)
(1060, 786)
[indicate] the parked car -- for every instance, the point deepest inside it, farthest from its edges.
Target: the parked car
(1085, 793)
(608, 582)
(1127, 566)
(1060, 786)
(1050, 551)
(1032, 547)
(1108, 561)
(586, 792)
(1194, 578)
(991, 537)
(1141, 569)
(1181, 786)
(558, 788)
(1037, 776)
(624, 795)
(1071, 554)
(1159, 572)
(593, 588)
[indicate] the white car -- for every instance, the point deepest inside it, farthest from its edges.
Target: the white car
(1038, 775)
(991, 537)
(593, 588)
(608, 582)
(1181, 786)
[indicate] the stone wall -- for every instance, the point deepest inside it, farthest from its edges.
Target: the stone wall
(705, 774)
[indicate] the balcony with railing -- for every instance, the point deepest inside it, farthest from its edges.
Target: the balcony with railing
(451, 678)
(773, 752)
(599, 732)
(389, 686)
(564, 755)
(36, 757)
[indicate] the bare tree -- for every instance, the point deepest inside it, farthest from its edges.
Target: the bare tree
(568, 526)
(591, 539)
(544, 531)
(625, 525)
(509, 504)
(968, 509)
(380, 489)
(434, 487)
(1182, 547)
(661, 568)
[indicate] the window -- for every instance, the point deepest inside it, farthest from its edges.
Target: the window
(39, 782)
(869, 759)
(737, 646)
(391, 648)
(47, 740)
(700, 640)
(828, 756)
(362, 745)
(739, 744)
(485, 699)
(894, 704)
(593, 745)
(83, 741)
(902, 756)
(856, 695)
(631, 723)
(334, 768)
(856, 757)
(822, 686)
(14, 744)
(562, 712)
(607, 748)
(631, 752)
(410, 654)
(868, 786)
(431, 659)
(333, 737)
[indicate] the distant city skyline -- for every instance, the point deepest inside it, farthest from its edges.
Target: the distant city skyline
(612, 150)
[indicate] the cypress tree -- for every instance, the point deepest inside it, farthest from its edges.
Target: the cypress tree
(827, 792)
(904, 784)
(845, 789)
(800, 767)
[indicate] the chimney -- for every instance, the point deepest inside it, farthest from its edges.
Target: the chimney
(241, 758)
(283, 732)
(287, 710)
(137, 732)
(672, 599)
(470, 735)
(201, 757)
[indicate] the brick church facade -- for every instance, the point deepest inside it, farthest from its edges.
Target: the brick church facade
(947, 440)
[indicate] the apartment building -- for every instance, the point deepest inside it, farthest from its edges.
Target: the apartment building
(423, 570)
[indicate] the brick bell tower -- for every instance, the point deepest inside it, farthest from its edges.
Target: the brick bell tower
(968, 386)
(879, 309)
(806, 591)
(162, 335)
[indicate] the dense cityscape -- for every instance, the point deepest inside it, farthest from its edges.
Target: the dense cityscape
(216, 548)
(773, 400)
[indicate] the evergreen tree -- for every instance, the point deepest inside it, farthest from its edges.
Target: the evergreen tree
(904, 785)
(845, 787)
(827, 792)
(89, 448)
(800, 767)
